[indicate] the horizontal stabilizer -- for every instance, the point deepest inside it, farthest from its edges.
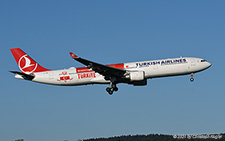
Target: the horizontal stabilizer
(23, 75)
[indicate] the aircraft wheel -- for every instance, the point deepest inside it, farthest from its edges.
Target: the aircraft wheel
(192, 79)
(115, 89)
(108, 89)
(113, 86)
(110, 92)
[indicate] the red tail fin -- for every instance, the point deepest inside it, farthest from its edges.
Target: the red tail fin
(26, 63)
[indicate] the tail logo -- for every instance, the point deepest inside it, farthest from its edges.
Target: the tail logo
(26, 64)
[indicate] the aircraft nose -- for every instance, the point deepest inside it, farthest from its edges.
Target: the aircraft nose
(209, 64)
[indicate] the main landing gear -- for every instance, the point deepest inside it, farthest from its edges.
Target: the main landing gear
(111, 89)
(192, 79)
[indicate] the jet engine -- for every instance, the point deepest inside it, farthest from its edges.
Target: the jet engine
(137, 76)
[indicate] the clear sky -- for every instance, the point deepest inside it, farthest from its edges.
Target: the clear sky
(109, 32)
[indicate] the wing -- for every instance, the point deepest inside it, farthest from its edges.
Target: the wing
(105, 70)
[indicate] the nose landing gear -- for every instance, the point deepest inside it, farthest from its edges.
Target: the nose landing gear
(192, 79)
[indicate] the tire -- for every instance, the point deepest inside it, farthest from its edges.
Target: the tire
(110, 92)
(115, 89)
(113, 86)
(108, 89)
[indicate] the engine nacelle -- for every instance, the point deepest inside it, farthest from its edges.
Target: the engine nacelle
(140, 83)
(137, 76)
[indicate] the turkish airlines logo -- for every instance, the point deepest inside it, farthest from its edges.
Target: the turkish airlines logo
(27, 65)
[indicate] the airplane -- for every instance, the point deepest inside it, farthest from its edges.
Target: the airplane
(135, 73)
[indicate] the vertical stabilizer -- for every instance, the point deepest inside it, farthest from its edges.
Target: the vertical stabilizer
(26, 63)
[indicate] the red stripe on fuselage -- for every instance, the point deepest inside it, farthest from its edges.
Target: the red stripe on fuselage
(85, 69)
(118, 66)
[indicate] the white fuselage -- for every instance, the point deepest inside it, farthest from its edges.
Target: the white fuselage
(152, 69)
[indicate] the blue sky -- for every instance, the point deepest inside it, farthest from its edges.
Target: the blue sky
(112, 32)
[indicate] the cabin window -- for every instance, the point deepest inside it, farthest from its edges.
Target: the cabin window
(203, 60)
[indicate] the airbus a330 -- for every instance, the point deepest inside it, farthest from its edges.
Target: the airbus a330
(135, 73)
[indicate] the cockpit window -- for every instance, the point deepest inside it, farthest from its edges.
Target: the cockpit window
(203, 60)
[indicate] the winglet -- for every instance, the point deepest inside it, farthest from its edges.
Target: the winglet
(73, 55)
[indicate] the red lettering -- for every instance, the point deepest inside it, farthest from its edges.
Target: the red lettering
(65, 78)
(86, 75)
